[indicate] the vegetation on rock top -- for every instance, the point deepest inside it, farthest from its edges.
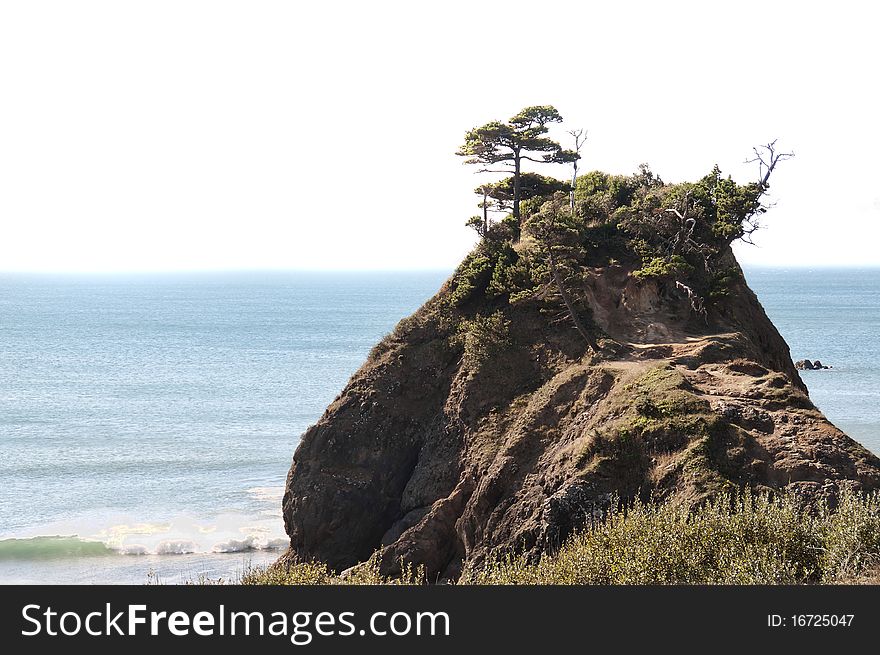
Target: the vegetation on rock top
(676, 233)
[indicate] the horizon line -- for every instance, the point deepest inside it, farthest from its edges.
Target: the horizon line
(437, 269)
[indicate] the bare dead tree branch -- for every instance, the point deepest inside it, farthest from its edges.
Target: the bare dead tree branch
(767, 158)
(697, 303)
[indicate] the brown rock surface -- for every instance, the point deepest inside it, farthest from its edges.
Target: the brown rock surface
(428, 459)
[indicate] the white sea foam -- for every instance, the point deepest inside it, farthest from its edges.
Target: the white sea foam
(54, 547)
(238, 545)
(133, 549)
(225, 533)
(176, 547)
(248, 544)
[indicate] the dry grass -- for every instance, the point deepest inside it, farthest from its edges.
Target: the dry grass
(745, 540)
(749, 540)
(317, 573)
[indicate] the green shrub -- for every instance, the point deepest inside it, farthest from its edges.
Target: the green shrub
(471, 277)
(721, 283)
(663, 267)
(481, 337)
(851, 536)
(730, 540)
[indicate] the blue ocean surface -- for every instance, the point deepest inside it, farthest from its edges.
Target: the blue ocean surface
(156, 415)
(832, 315)
(147, 422)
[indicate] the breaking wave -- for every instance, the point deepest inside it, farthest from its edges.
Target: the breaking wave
(62, 547)
(52, 547)
(182, 534)
(249, 544)
(176, 547)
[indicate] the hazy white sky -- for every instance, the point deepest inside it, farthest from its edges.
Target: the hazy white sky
(211, 134)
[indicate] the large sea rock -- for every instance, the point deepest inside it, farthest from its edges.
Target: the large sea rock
(430, 459)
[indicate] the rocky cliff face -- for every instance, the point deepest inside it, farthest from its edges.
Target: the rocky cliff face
(437, 456)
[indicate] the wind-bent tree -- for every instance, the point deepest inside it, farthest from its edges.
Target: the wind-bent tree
(685, 229)
(767, 158)
(580, 138)
(508, 144)
(701, 219)
(481, 223)
(558, 239)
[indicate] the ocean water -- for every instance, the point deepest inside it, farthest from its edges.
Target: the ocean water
(832, 315)
(147, 422)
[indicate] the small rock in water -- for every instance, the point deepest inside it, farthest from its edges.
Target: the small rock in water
(807, 365)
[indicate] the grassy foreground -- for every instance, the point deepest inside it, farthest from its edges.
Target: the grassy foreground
(746, 540)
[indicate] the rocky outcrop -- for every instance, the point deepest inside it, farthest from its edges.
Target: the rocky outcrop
(435, 456)
(807, 365)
